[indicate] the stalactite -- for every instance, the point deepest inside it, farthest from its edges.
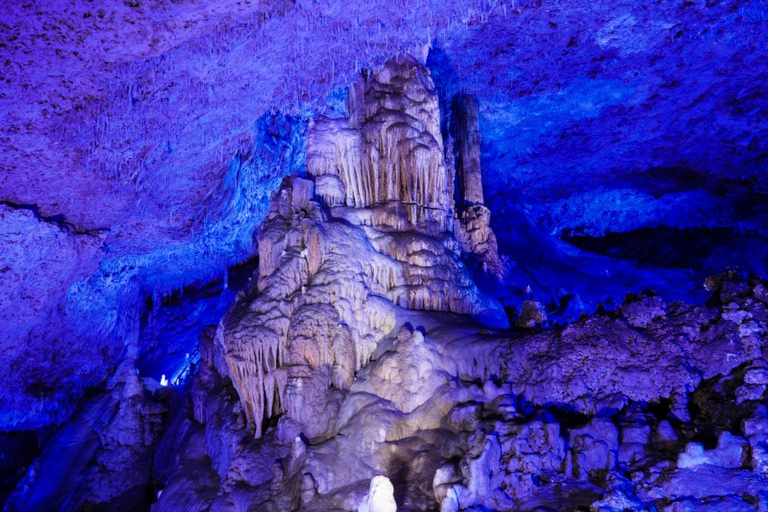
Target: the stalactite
(382, 170)
(390, 149)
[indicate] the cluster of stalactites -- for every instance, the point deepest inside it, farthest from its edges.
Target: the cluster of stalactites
(256, 368)
(387, 162)
(373, 228)
(317, 315)
(389, 149)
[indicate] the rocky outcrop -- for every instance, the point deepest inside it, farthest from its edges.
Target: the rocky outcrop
(387, 156)
(109, 127)
(345, 364)
(102, 458)
(49, 362)
(380, 497)
(354, 372)
(455, 417)
(353, 359)
(385, 165)
(327, 294)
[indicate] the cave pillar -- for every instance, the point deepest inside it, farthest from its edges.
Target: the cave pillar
(466, 132)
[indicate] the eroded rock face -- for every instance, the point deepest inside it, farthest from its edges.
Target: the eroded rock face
(39, 258)
(345, 339)
(135, 119)
(101, 458)
(651, 406)
(141, 125)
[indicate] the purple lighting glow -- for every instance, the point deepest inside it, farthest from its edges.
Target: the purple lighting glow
(460, 255)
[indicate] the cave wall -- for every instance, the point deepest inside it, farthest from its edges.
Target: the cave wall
(141, 141)
(160, 130)
(611, 117)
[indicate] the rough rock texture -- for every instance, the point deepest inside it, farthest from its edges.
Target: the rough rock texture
(349, 384)
(460, 418)
(141, 142)
(388, 154)
(380, 497)
(39, 258)
(163, 128)
(102, 458)
(590, 121)
(333, 384)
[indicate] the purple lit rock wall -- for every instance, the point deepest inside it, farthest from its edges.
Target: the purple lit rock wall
(623, 147)
(141, 123)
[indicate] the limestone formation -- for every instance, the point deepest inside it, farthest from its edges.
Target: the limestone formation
(473, 229)
(584, 416)
(370, 232)
(380, 497)
(532, 314)
(343, 358)
(103, 457)
(366, 365)
(456, 417)
(387, 155)
(465, 129)
(362, 369)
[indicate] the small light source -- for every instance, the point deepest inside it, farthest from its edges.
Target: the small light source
(163, 381)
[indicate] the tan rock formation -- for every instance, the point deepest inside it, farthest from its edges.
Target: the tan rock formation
(463, 418)
(327, 293)
(388, 155)
(372, 230)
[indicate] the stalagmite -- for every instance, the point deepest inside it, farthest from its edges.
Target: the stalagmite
(370, 231)
(389, 151)
(465, 129)
(380, 497)
(473, 230)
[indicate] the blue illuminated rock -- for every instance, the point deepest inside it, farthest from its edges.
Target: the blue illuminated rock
(407, 176)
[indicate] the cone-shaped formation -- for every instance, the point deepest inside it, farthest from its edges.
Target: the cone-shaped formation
(370, 232)
(389, 153)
